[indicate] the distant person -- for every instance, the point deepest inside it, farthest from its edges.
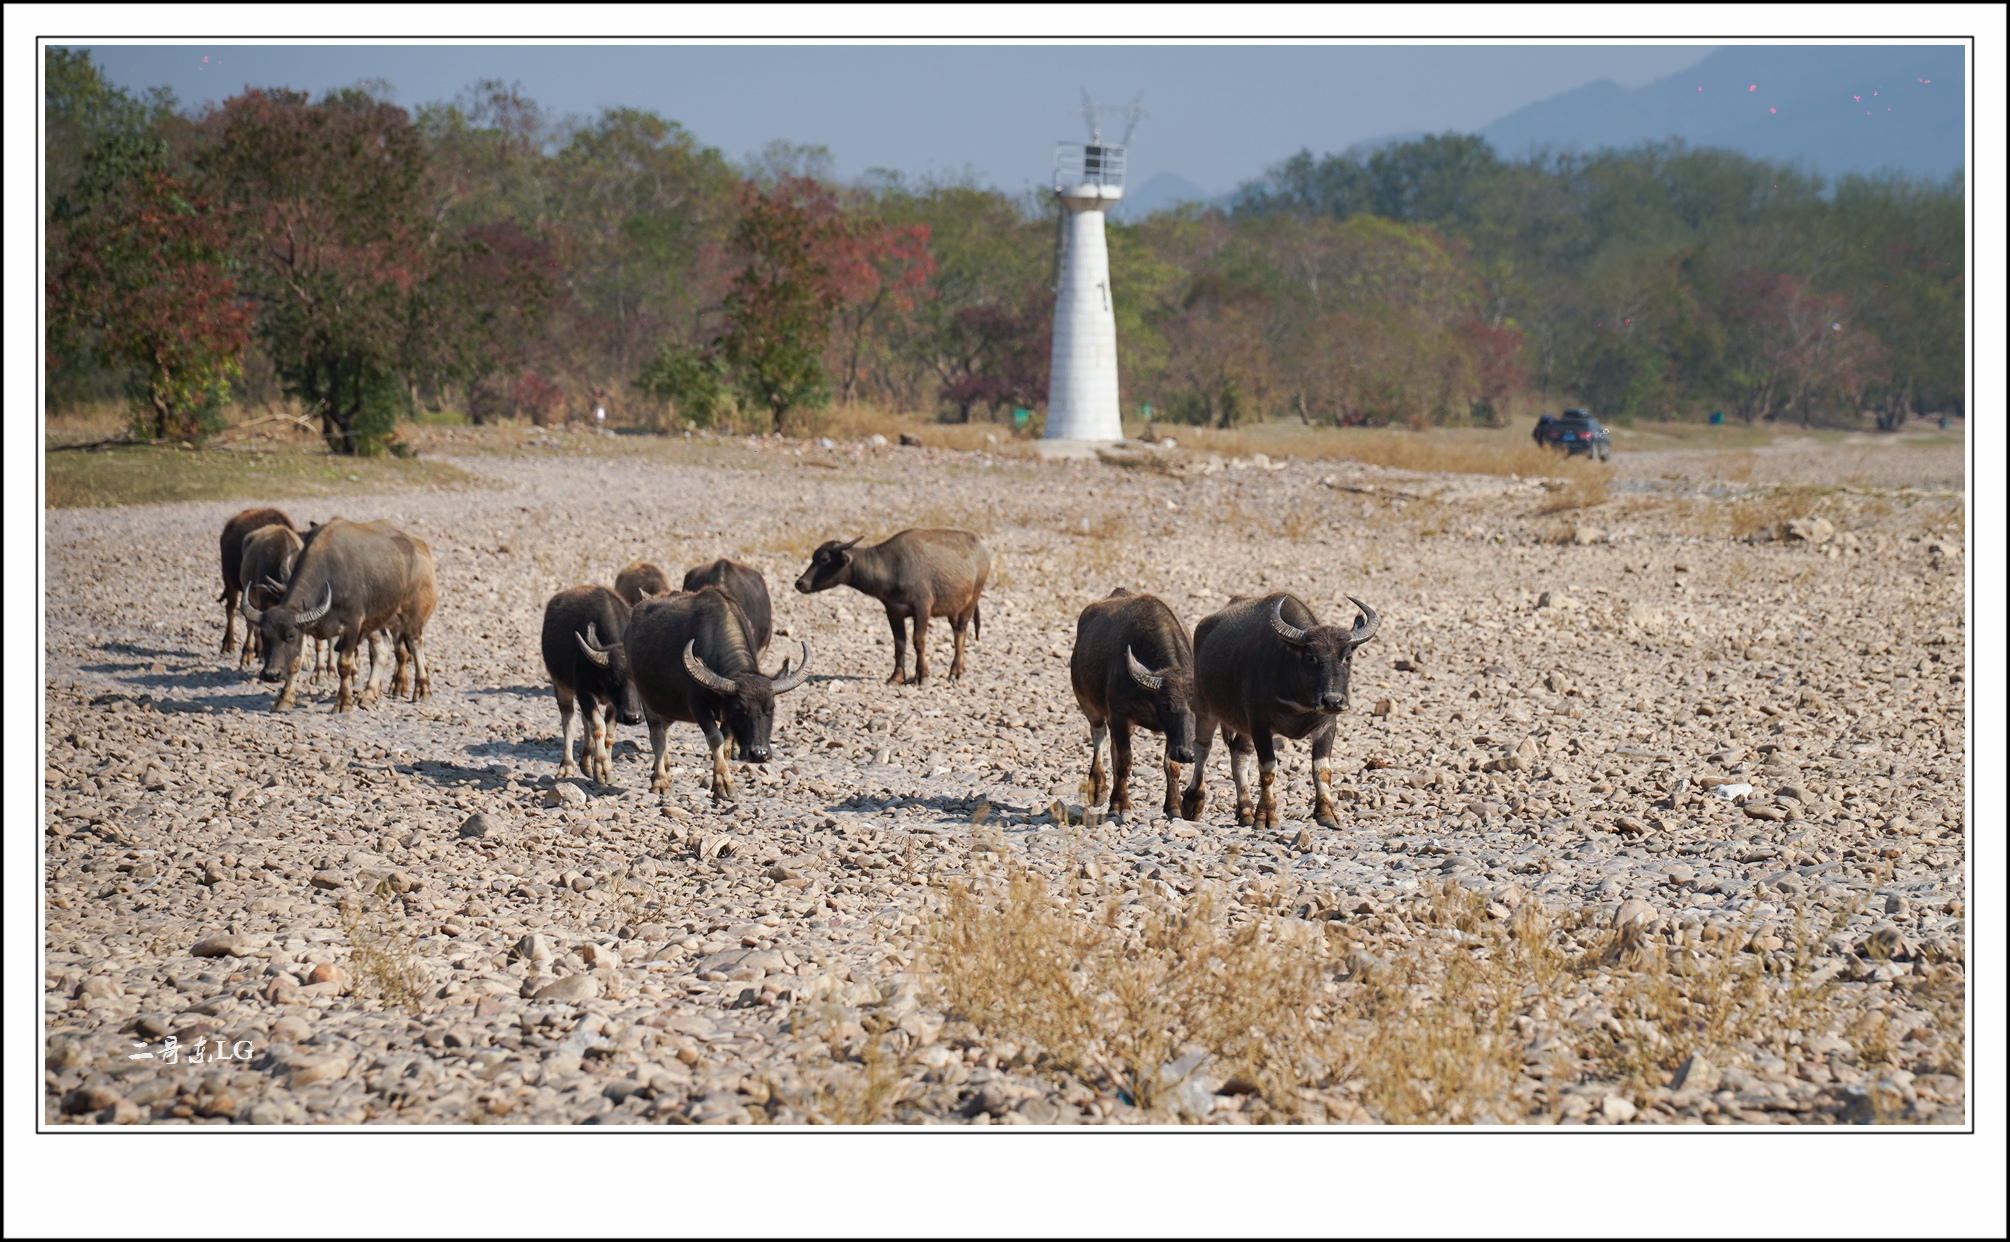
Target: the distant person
(600, 407)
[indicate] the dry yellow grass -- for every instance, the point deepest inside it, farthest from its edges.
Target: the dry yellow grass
(1428, 1013)
(383, 953)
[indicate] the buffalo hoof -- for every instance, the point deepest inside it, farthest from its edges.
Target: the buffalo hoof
(1266, 814)
(1191, 804)
(1245, 814)
(660, 784)
(899, 678)
(567, 769)
(1120, 806)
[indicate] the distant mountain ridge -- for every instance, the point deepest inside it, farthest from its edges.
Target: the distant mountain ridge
(1834, 110)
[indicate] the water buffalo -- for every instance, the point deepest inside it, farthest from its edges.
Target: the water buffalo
(748, 589)
(1264, 669)
(586, 667)
(692, 659)
(352, 580)
(918, 574)
(639, 581)
(231, 547)
(266, 567)
(1133, 665)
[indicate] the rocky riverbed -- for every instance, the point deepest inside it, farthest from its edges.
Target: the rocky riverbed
(1726, 719)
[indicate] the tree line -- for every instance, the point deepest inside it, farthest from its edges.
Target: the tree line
(372, 263)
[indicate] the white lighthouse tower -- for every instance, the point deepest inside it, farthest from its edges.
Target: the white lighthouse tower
(1082, 384)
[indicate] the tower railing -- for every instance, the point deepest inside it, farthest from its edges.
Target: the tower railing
(1088, 163)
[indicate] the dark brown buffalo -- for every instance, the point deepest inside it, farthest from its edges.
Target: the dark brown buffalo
(231, 546)
(640, 581)
(748, 589)
(692, 659)
(916, 574)
(1264, 669)
(267, 566)
(588, 664)
(1133, 665)
(352, 580)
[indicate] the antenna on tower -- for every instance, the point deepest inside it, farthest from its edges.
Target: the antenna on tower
(1132, 115)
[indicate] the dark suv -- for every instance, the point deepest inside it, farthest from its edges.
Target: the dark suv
(1574, 431)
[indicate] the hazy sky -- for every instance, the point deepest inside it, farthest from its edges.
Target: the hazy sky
(1217, 115)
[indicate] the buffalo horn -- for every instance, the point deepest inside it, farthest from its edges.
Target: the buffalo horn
(1142, 675)
(1365, 624)
(245, 609)
(275, 585)
(788, 680)
(702, 675)
(316, 613)
(1285, 630)
(589, 642)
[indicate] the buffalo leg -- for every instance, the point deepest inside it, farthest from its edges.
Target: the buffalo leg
(603, 741)
(401, 676)
(345, 672)
(921, 609)
(230, 598)
(289, 688)
(957, 625)
(1266, 800)
(893, 618)
(1120, 767)
(1098, 783)
(659, 746)
(1323, 812)
(422, 674)
(1172, 784)
(568, 716)
(722, 775)
(252, 646)
(1194, 800)
(1240, 754)
(373, 688)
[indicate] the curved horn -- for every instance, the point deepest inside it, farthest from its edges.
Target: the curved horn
(274, 584)
(846, 547)
(1366, 624)
(589, 642)
(245, 610)
(702, 675)
(1285, 630)
(315, 614)
(1142, 675)
(789, 680)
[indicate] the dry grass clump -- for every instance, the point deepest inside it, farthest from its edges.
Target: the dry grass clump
(862, 1077)
(384, 954)
(1120, 1007)
(1446, 1010)
(1582, 489)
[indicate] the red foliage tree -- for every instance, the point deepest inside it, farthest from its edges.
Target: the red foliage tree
(139, 268)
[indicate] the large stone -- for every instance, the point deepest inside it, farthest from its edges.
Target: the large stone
(1811, 530)
(571, 989)
(222, 946)
(478, 827)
